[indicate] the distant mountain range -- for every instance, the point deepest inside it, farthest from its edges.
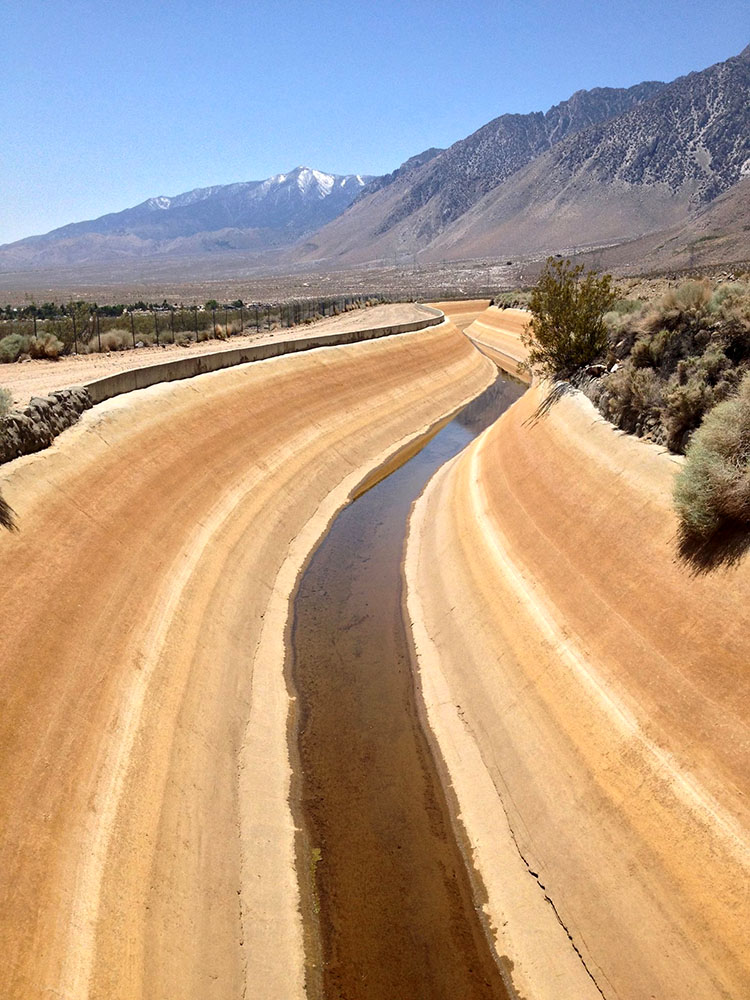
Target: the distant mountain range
(251, 215)
(641, 167)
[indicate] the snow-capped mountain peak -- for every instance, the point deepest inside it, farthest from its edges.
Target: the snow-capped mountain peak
(277, 211)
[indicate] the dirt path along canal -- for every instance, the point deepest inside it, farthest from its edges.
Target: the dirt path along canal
(389, 885)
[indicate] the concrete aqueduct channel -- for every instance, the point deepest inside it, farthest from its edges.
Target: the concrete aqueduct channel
(576, 697)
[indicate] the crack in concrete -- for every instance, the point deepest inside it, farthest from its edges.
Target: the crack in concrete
(529, 869)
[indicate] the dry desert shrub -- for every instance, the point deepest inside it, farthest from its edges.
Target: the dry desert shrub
(45, 346)
(713, 489)
(6, 402)
(15, 345)
(116, 339)
(633, 399)
(671, 362)
(690, 296)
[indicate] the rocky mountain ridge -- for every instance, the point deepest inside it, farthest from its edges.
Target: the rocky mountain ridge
(479, 163)
(603, 167)
(650, 168)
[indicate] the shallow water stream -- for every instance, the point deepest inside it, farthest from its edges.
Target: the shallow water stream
(388, 886)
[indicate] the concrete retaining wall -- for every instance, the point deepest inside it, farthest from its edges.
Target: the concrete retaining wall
(140, 378)
(33, 429)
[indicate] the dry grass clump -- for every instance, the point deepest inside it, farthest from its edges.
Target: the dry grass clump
(6, 402)
(17, 345)
(713, 489)
(116, 339)
(670, 363)
(46, 345)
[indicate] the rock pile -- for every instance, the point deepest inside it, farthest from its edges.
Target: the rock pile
(34, 428)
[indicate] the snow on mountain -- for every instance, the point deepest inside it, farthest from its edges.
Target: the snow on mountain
(264, 214)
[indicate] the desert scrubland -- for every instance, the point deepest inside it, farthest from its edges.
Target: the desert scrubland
(148, 847)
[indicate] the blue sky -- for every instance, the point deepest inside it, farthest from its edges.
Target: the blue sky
(104, 104)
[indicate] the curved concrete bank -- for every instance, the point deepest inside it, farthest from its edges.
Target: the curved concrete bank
(34, 428)
(589, 692)
(147, 847)
(462, 312)
(198, 364)
(497, 333)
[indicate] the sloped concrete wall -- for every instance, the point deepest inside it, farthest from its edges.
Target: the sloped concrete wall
(199, 364)
(35, 427)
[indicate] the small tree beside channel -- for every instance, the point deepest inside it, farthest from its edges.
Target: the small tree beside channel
(567, 330)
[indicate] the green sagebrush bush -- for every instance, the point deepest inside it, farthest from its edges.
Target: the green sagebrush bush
(567, 308)
(12, 347)
(713, 488)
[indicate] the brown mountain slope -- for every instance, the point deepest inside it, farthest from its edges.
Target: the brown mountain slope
(718, 234)
(652, 165)
(417, 204)
(651, 168)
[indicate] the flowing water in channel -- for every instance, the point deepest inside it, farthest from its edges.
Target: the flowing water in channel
(388, 884)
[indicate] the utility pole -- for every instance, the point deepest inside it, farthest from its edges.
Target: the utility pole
(132, 326)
